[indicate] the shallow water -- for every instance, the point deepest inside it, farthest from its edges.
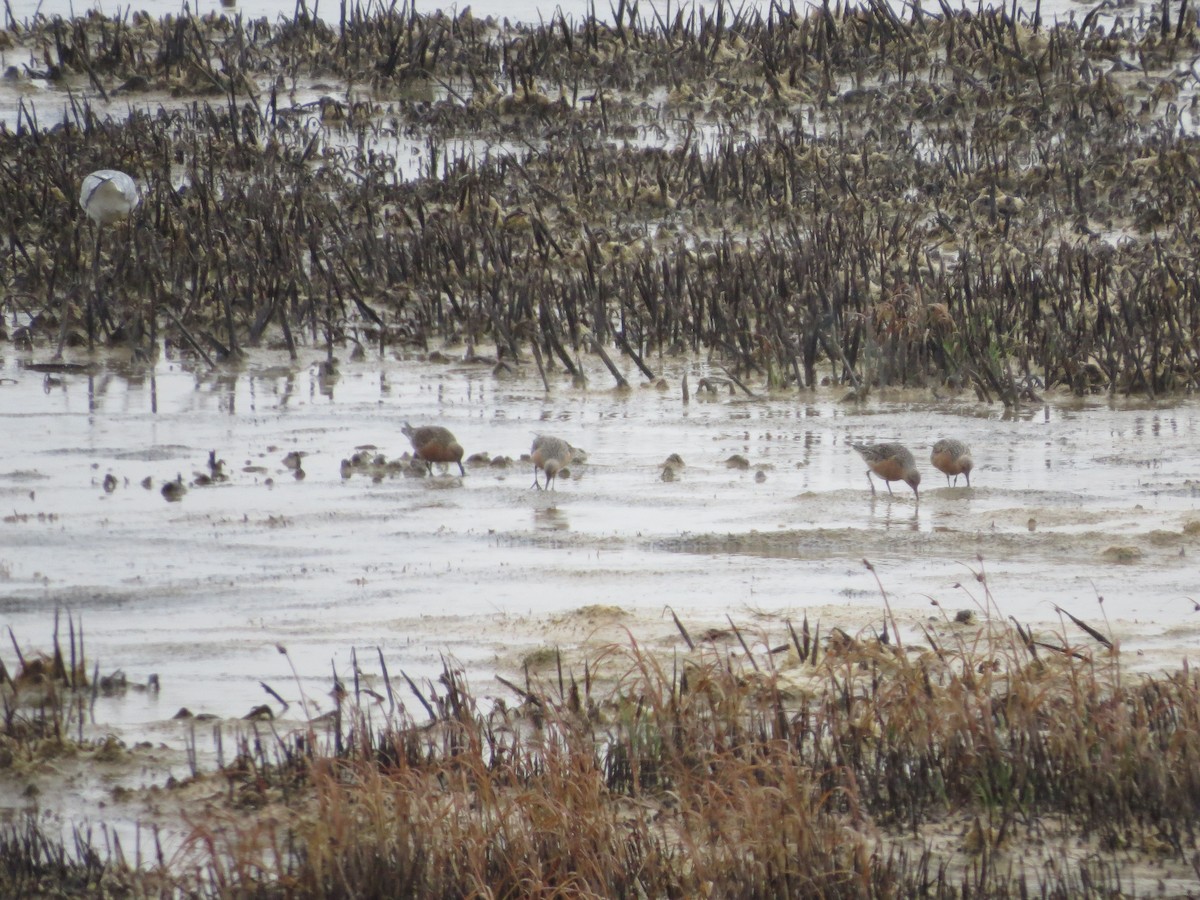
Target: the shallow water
(201, 591)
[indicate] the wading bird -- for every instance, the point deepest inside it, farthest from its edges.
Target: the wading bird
(108, 197)
(433, 443)
(550, 454)
(891, 462)
(952, 457)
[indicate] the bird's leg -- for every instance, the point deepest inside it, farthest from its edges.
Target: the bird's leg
(93, 301)
(871, 482)
(968, 474)
(535, 480)
(461, 470)
(64, 317)
(889, 487)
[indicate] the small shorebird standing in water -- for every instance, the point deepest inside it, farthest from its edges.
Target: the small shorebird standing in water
(549, 454)
(891, 462)
(433, 443)
(952, 457)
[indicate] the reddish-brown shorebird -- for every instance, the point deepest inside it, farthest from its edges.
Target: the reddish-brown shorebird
(891, 462)
(952, 457)
(433, 443)
(550, 454)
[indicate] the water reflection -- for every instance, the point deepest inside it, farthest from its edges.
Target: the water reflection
(327, 378)
(890, 511)
(811, 443)
(550, 518)
(1024, 413)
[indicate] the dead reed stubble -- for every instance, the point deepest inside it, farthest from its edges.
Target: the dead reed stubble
(677, 773)
(838, 195)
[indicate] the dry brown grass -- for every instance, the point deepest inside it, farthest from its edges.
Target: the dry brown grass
(977, 759)
(708, 772)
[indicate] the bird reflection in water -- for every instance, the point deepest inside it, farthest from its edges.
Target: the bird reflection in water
(891, 515)
(550, 518)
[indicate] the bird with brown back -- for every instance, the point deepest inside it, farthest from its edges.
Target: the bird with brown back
(891, 462)
(551, 455)
(434, 444)
(952, 457)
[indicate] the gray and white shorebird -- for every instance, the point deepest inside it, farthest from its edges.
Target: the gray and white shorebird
(891, 462)
(551, 455)
(433, 443)
(952, 458)
(108, 196)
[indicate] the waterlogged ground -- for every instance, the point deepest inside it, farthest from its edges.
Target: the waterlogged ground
(1071, 501)
(527, 11)
(28, 97)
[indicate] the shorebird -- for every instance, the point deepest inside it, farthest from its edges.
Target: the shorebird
(433, 443)
(108, 196)
(952, 457)
(891, 462)
(549, 454)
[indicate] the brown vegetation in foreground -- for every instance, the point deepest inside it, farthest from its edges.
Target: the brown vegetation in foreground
(836, 193)
(737, 765)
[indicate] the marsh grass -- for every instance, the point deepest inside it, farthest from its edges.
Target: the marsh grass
(943, 758)
(48, 697)
(47, 701)
(955, 198)
(976, 760)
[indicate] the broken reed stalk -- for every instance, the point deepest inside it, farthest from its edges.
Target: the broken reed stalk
(421, 697)
(16, 647)
(682, 630)
(387, 681)
(598, 349)
(737, 631)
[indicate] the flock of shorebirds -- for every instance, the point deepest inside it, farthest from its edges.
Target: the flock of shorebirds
(109, 196)
(894, 462)
(435, 444)
(891, 462)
